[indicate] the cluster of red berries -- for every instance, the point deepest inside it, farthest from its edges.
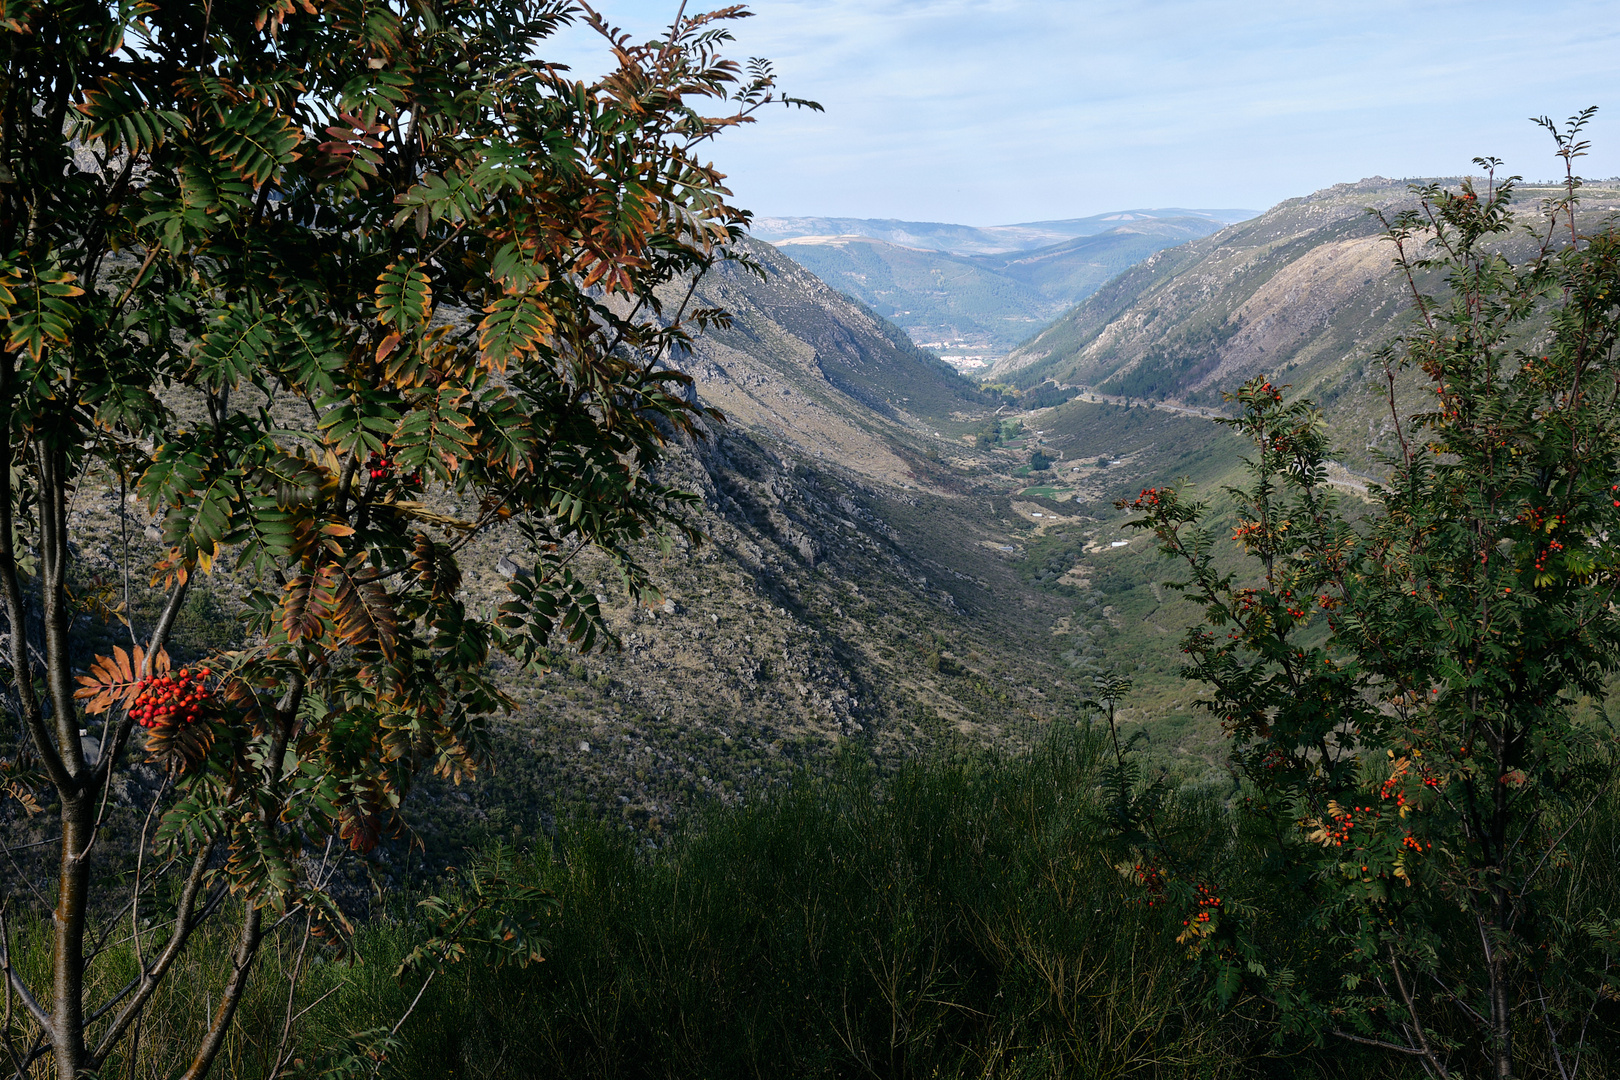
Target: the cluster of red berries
(1339, 831)
(379, 466)
(176, 698)
(1389, 788)
(1536, 519)
(1429, 779)
(1410, 841)
(1541, 560)
(1149, 497)
(1208, 904)
(1247, 529)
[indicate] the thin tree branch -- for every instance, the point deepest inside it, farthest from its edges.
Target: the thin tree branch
(1380, 1043)
(184, 925)
(1411, 1009)
(14, 978)
(247, 950)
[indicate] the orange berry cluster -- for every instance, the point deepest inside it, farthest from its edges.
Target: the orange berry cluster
(1208, 904)
(1246, 529)
(1339, 831)
(176, 698)
(1390, 788)
(1149, 497)
(1552, 546)
(1537, 519)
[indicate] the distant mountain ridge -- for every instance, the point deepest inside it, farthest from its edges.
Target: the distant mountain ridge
(973, 309)
(976, 240)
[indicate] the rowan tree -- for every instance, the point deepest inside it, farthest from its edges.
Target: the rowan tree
(408, 281)
(1413, 691)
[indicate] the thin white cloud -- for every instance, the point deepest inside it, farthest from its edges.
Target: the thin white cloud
(989, 111)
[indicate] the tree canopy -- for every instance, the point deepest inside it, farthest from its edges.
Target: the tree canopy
(1414, 692)
(331, 286)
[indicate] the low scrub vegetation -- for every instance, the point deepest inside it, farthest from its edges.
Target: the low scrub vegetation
(965, 915)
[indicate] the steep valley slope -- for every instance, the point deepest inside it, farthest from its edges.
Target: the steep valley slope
(1304, 294)
(874, 582)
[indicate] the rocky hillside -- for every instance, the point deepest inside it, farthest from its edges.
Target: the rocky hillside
(1304, 293)
(822, 373)
(875, 579)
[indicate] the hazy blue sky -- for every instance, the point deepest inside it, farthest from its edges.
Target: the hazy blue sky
(996, 111)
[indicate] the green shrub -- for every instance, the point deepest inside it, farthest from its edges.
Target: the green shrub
(955, 918)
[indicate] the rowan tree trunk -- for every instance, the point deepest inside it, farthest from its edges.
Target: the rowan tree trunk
(67, 1010)
(77, 798)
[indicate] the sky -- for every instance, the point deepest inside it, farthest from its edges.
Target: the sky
(987, 112)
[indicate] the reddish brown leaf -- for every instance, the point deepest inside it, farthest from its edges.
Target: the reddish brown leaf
(360, 828)
(307, 603)
(116, 679)
(365, 613)
(24, 796)
(178, 747)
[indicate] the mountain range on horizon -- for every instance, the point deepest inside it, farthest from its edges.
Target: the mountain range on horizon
(974, 239)
(972, 294)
